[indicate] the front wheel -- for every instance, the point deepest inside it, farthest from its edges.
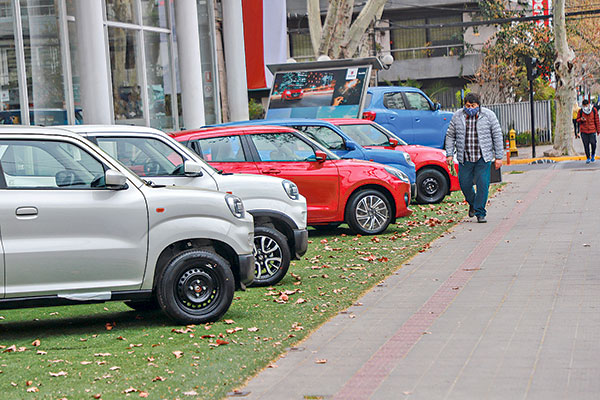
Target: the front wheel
(271, 256)
(432, 186)
(368, 212)
(195, 287)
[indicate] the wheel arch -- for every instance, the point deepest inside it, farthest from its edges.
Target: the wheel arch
(379, 188)
(440, 169)
(278, 221)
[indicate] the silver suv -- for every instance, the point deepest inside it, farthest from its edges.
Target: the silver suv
(77, 227)
(279, 210)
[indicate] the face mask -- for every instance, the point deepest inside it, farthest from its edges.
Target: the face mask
(587, 109)
(471, 112)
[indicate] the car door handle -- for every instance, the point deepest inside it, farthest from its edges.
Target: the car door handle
(26, 211)
(392, 117)
(418, 119)
(271, 171)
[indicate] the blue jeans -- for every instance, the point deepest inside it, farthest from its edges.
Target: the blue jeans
(478, 172)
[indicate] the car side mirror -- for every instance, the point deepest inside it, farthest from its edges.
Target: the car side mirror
(192, 168)
(115, 180)
(393, 142)
(438, 106)
(320, 156)
(350, 146)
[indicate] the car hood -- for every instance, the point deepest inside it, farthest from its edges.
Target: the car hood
(385, 156)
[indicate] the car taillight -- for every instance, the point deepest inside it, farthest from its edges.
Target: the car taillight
(370, 115)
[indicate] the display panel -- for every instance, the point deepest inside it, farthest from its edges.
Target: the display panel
(323, 93)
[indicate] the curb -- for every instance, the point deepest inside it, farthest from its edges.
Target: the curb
(556, 159)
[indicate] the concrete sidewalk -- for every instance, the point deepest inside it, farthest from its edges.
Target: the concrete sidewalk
(525, 154)
(503, 310)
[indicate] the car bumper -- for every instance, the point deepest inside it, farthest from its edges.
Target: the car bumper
(300, 242)
(246, 270)
(413, 192)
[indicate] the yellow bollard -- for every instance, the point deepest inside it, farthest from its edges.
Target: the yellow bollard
(513, 143)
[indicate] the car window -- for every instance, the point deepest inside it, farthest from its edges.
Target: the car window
(39, 164)
(394, 101)
(144, 156)
(366, 135)
(220, 149)
(282, 146)
(416, 101)
(323, 135)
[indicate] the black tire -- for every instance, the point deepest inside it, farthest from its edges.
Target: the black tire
(368, 212)
(195, 287)
(271, 256)
(432, 186)
(143, 305)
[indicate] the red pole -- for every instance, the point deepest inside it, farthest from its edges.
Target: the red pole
(507, 153)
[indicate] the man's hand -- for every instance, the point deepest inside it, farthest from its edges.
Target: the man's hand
(498, 164)
(450, 160)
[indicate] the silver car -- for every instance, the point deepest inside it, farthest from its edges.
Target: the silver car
(76, 226)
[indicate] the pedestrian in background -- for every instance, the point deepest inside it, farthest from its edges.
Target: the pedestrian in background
(575, 113)
(589, 127)
(475, 134)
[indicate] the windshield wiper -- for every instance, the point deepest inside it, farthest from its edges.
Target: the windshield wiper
(152, 184)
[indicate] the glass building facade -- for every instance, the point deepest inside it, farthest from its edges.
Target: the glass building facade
(41, 76)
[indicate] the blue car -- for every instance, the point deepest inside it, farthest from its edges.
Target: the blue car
(408, 113)
(334, 139)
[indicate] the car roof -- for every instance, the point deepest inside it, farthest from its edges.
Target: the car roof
(110, 128)
(229, 130)
(348, 121)
(36, 130)
(394, 88)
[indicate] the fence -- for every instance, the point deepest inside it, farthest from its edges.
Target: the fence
(517, 116)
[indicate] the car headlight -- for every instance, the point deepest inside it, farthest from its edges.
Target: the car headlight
(407, 158)
(291, 189)
(235, 205)
(398, 174)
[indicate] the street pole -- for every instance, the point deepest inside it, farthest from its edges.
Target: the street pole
(532, 118)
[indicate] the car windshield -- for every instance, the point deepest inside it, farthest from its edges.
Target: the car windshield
(370, 134)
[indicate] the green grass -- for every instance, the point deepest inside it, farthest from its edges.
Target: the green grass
(138, 351)
(516, 172)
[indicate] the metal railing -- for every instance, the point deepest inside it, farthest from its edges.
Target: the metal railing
(428, 51)
(517, 116)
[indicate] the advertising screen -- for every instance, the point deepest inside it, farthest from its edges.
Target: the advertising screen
(325, 93)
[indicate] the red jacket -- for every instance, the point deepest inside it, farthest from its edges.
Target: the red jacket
(591, 123)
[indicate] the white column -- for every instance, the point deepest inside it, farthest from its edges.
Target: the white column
(235, 60)
(190, 65)
(93, 65)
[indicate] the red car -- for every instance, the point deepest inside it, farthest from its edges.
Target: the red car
(434, 178)
(292, 93)
(366, 195)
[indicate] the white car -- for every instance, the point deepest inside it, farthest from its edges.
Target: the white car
(279, 210)
(77, 227)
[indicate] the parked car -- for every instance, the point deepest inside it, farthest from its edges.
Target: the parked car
(435, 180)
(408, 113)
(336, 141)
(279, 211)
(368, 196)
(78, 227)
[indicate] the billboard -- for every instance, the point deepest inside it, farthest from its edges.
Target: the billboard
(319, 93)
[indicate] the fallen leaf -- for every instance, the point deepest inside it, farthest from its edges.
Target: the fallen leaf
(115, 368)
(130, 390)
(159, 379)
(85, 363)
(36, 343)
(300, 301)
(144, 394)
(109, 326)
(221, 342)
(253, 329)
(102, 354)
(33, 389)
(42, 353)
(178, 354)
(191, 393)
(10, 349)
(321, 361)
(229, 321)
(60, 373)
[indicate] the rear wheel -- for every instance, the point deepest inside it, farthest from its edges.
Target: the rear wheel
(432, 186)
(271, 256)
(368, 212)
(195, 287)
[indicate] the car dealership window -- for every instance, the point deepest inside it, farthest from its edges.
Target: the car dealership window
(282, 147)
(35, 164)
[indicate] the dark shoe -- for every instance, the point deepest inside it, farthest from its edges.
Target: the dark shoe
(471, 211)
(481, 220)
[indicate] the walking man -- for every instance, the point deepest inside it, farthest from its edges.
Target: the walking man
(474, 133)
(589, 127)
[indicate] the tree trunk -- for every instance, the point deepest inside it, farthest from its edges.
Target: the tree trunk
(340, 29)
(353, 38)
(314, 24)
(565, 89)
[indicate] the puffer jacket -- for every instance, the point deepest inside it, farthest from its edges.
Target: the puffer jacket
(591, 123)
(489, 135)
